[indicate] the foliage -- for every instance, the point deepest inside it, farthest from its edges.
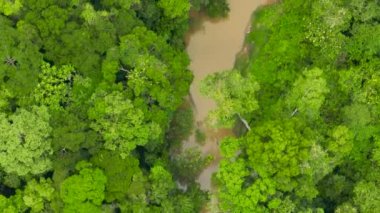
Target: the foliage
(181, 125)
(367, 197)
(122, 126)
(12, 204)
(91, 94)
(175, 8)
(161, 184)
(313, 139)
(21, 61)
(124, 177)
(189, 164)
(233, 93)
(10, 7)
(38, 194)
(308, 92)
(25, 141)
(53, 89)
(84, 192)
(213, 8)
(93, 81)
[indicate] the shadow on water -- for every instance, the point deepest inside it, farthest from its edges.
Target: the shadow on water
(197, 20)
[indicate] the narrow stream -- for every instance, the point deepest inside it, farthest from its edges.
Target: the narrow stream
(213, 49)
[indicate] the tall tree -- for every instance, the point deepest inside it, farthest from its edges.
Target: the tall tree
(308, 94)
(25, 141)
(125, 180)
(121, 124)
(10, 7)
(38, 194)
(20, 62)
(234, 94)
(175, 9)
(54, 86)
(84, 192)
(161, 185)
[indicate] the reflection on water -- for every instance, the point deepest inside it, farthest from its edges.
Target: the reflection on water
(212, 48)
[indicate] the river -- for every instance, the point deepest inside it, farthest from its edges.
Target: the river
(212, 48)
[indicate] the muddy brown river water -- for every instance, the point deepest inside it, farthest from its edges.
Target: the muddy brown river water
(212, 48)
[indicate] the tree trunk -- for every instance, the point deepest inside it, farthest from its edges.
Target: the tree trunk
(294, 112)
(192, 102)
(244, 122)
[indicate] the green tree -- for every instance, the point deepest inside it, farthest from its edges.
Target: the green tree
(84, 192)
(91, 80)
(346, 208)
(367, 196)
(189, 164)
(91, 16)
(273, 160)
(313, 144)
(234, 94)
(121, 124)
(364, 11)
(277, 150)
(341, 143)
(181, 125)
(70, 132)
(363, 45)
(10, 7)
(156, 72)
(49, 19)
(175, 8)
(125, 180)
(376, 150)
(308, 93)
(213, 8)
(125, 4)
(20, 62)
(325, 25)
(161, 185)
(13, 204)
(5, 96)
(25, 141)
(37, 195)
(231, 176)
(54, 87)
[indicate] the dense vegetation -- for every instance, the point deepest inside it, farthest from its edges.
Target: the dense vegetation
(92, 112)
(309, 93)
(91, 97)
